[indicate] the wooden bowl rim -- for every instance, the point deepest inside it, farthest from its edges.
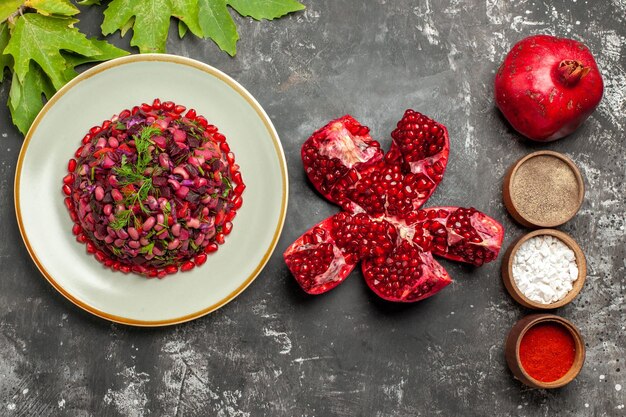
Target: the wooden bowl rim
(508, 185)
(507, 273)
(579, 358)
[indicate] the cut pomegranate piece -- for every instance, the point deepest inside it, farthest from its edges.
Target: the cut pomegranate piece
(422, 146)
(407, 274)
(381, 224)
(326, 254)
(343, 145)
(461, 234)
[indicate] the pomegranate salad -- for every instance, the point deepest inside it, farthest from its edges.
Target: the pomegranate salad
(381, 223)
(153, 190)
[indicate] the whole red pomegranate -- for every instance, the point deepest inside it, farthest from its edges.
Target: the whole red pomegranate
(548, 86)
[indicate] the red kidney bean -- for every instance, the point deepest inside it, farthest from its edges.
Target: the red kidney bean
(173, 244)
(119, 242)
(107, 209)
(164, 161)
(133, 233)
(149, 223)
(152, 202)
(113, 142)
(99, 193)
(134, 244)
(176, 229)
(121, 233)
(181, 171)
(117, 196)
(144, 241)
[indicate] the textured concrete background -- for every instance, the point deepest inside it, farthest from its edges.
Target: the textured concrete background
(277, 352)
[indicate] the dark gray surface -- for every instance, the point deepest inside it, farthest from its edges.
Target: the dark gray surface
(275, 351)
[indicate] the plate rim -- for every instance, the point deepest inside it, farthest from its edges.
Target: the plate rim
(245, 94)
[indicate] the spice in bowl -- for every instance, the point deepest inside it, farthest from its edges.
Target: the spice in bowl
(547, 351)
(544, 269)
(543, 189)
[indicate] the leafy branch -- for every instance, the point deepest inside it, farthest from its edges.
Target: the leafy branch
(41, 48)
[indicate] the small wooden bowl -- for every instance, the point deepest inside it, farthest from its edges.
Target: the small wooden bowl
(513, 343)
(507, 270)
(526, 219)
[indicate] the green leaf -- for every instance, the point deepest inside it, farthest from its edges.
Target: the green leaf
(53, 7)
(5, 60)
(40, 38)
(8, 7)
(217, 23)
(182, 29)
(265, 9)
(25, 97)
(151, 20)
(89, 2)
(127, 26)
(45, 50)
(187, 12)
(204, 18)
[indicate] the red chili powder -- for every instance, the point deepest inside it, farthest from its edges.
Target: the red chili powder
(547, 351)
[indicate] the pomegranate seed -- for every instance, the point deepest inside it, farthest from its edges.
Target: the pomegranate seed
(179, 109)
(66, 189)
(156, 104)
(71, 165)
(203, 121)
(91, 248)
(95, 130)
(210, 248)
(68, 179)
(124, 269)
(146, 107)
(168, 106)
(171, 269)
(86, 139)
(228, 227)
(77, 229)
(239, 189)
(100, 256)
(219, 238)
(237, 202)
(124, 114)
(220, 138)
(78, 152)
(135, 110)
(191, 114)
(187, 266)
(200, 259)
(69, 203)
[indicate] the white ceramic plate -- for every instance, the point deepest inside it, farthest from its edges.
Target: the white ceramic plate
(96, 95)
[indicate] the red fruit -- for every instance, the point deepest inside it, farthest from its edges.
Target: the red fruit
(337, 150)
(381, 224)
(547, 86)
(200, 259)
(461, 234)
(326, 254)
(406, 275)
(187, 266)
